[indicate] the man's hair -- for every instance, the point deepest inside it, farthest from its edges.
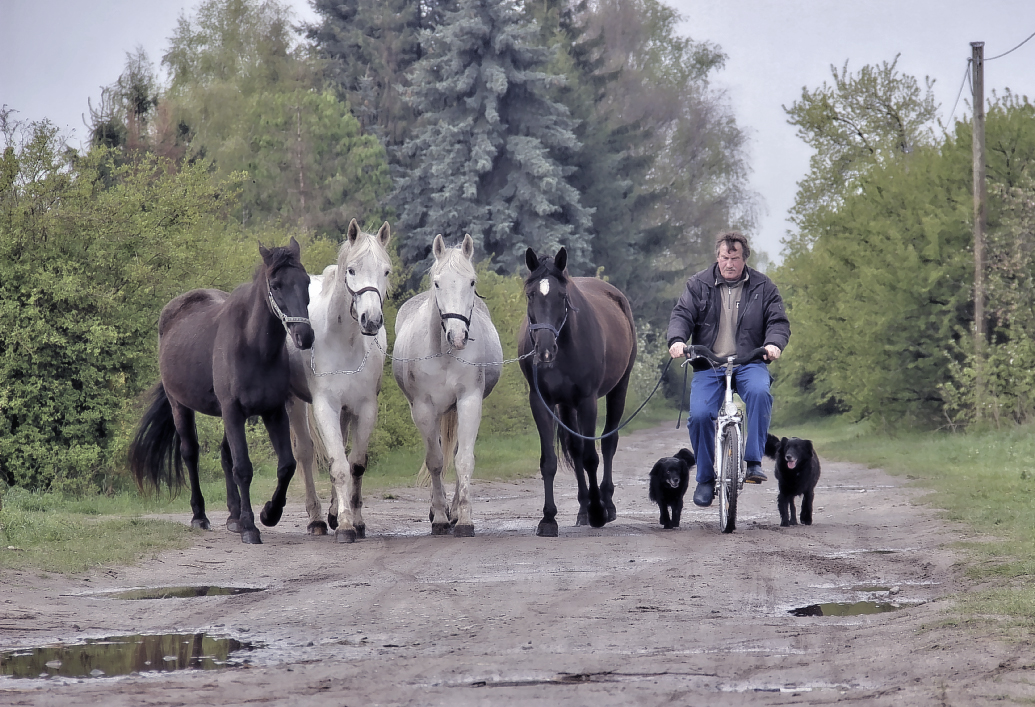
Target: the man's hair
(731, 239)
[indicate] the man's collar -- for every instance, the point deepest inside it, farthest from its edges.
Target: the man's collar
(720, 280)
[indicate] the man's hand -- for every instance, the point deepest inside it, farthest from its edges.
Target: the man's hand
(772, 352)
(678, 348)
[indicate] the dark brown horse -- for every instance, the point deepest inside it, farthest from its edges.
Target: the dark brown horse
(583, 336)
(224, 355)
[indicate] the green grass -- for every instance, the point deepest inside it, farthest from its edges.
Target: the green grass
(984, 480)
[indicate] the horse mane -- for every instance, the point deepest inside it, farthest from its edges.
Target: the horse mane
(365, 243)
(280, 257)
(454, 259)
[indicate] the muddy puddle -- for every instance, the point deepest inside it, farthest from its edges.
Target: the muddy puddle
(856, 608)
(123, 655)
(185, 592)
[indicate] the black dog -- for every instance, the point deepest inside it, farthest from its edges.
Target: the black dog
(797, 471)
(668, 481)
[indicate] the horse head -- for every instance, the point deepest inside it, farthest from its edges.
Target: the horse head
(363, 268)
(287, 291)
(546, 289)
(453, 279)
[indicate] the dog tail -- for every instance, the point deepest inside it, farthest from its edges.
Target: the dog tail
(772, 446)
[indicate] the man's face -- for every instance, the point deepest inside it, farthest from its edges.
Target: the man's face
(731, 261)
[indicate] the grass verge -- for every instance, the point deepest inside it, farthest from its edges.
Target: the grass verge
(983, 479)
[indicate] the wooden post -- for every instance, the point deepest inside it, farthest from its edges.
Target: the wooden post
(977, 67)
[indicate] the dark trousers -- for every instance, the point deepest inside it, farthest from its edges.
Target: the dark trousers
(707, 392)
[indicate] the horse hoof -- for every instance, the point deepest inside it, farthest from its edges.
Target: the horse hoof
(233, 525)
(463, 531)
(598, 520)
(547, 529)
(361, 531)
(582, 518)
(440, 528)
(332, 521)
(612, 514)
(343, 535)
(201, 524)
(270, 515)
(251, 537)
(317, 527)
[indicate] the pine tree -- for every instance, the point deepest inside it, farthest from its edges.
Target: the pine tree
(493, 154)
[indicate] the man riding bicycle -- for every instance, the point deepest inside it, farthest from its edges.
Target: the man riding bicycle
(730, 309)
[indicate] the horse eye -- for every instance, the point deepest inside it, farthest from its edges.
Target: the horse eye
(387, 273)
(352, 271)
(436, 285)
(472, 283)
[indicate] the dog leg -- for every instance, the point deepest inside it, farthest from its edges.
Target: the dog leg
(782, 503)
(665, 521)
(791, 511)
(677, 511)
(806, 508)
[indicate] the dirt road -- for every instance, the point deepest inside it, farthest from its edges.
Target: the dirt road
(626, 615)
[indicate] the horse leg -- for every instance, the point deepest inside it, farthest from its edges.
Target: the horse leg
(547, 465)
(469, 416)
(183, 419)
(303, 450)
(328, 415)
(573, 451)
(427, 420)
(362, 426)
(233, 499)
(233, 426)
(590, 461)
(609, 445)
(279, 430)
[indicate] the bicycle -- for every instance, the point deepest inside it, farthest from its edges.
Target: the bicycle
(729, 466)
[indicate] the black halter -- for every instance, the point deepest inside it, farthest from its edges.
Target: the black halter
(550, 327)
(355, 295)
(443, 316)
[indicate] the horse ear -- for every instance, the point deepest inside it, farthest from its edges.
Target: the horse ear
(264, 252)
(295, 249)
(561, 261)
(531, 260)
(438, 247)
(384, 234)
(353, 232)
(468, 246)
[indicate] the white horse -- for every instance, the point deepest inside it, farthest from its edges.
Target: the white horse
(348, 357)
(447, 358)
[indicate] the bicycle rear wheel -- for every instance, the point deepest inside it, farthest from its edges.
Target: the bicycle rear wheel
(729, 470)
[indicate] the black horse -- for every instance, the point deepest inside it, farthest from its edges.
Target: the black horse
(584, 338)
(224, 355)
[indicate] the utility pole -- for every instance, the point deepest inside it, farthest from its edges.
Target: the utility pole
(977, 66)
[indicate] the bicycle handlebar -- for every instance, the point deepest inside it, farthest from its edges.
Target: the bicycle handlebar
(697, 351)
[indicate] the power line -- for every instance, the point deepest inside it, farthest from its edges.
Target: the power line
(1014, 49)
(966, 75)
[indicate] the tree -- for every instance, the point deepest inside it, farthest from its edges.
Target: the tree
(90, 250)
(678, 142)
(862, 121)
(492, 155)
(250, 102)
(367, 47)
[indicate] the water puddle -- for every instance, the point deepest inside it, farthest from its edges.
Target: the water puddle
(858, 608)
(122, 655)
(180, 592)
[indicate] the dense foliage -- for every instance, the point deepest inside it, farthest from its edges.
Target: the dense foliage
(879, 277)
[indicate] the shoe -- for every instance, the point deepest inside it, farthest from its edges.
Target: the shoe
(754, 474)
(704, 493)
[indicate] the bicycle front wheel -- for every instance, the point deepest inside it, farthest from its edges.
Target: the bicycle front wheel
(729, 470)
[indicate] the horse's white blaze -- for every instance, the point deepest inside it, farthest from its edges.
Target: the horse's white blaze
(344, 405)
(446, 394)
(544, 286)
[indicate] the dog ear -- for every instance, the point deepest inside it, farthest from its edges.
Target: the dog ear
(809, 448)
(657, 468)
(687, 456)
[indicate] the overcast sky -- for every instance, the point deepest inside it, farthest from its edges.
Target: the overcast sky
(56, 54)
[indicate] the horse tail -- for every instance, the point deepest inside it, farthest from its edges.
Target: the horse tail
(321, 457)
(564, 442)
(448, 428)
(154, 454)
